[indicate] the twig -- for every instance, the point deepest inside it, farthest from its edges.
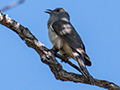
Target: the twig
(67, 61)
(14, 4)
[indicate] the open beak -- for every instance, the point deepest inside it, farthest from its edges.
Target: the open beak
(48, 11)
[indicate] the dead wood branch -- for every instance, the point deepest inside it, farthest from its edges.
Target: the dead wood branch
(48, 57)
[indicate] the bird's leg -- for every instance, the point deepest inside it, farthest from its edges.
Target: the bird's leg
(65, 58)
(54, 50)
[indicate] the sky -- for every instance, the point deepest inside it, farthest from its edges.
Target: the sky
(96, 21)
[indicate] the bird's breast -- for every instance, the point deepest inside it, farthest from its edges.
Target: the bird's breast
(55, 39)
(60, 44)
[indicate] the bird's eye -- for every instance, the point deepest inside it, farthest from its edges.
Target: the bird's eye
(58, 10)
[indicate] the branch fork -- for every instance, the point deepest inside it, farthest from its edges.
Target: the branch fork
(48, 57)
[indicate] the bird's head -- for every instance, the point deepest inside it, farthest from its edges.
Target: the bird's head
(58, 13)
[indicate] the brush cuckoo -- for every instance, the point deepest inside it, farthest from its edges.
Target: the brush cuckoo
(66, 40)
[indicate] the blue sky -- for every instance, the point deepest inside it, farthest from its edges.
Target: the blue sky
(96, 21)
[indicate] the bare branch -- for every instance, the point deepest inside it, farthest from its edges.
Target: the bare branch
(48, 57)
(14, 4)
(67, 61)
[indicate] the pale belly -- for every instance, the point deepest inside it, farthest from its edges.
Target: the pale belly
(60, 44)
(55, 39)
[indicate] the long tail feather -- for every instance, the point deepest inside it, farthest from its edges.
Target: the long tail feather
(83, 68)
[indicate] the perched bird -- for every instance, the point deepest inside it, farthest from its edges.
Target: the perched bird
(66, 40)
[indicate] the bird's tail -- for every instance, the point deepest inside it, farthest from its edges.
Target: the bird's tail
(83, 69)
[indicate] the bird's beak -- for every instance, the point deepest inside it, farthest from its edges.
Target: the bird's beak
(48, 11)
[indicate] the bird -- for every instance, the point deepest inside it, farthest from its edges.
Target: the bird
(66, 40)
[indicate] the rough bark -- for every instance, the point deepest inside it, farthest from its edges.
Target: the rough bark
(48, 57)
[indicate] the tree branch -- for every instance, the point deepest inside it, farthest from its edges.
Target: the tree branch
(48, 57)
(14, 4)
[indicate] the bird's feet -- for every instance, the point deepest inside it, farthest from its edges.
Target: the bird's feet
(54, 51)
(64, 58)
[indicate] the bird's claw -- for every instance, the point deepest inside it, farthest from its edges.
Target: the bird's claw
(64, 60)
(54, 51)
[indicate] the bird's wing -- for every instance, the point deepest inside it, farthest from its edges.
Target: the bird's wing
(67, 32)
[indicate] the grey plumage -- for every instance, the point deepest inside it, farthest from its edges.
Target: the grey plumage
(65, 38)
